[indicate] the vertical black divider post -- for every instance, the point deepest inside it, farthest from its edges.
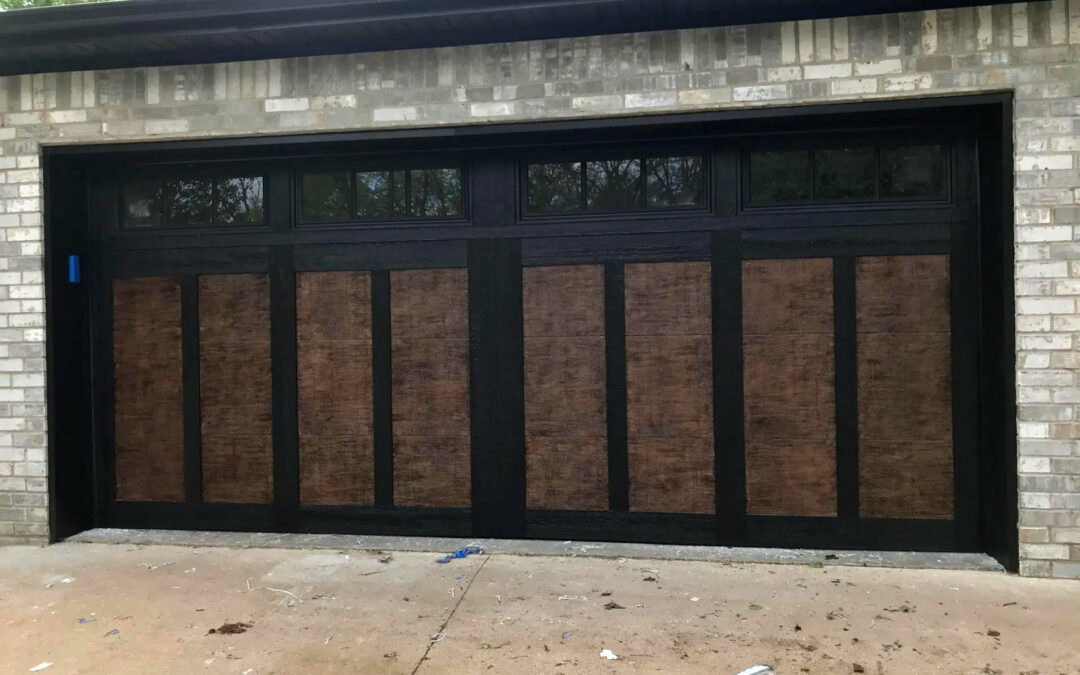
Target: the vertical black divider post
(729, 439)
(104, 394)
(496, 387)
(283, 351)
(283, 355)
(615, 347)
(192, 395)
(966, 319)
(846, 392)
(382, 388)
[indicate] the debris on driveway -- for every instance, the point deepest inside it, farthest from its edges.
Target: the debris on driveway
(758, 670)
(41, 666)
(608, 654)
(230, 628)
(460, 553)
(613, 605)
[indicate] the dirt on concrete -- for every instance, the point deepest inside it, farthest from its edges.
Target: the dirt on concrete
(97, 608)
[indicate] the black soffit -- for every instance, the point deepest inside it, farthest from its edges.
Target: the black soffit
(137, 33)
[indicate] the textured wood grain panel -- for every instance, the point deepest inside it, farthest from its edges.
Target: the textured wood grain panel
(789, 387)
(905, 387)
(668, 299)
(235, 383)
(430, 375)
(334, 378)
(669, 387)
(148, 385)
(565, 390)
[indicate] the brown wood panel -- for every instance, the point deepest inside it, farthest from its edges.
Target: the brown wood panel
(669, 387)
(905, 387)
(565, 388)
(789, 387)
(148, 389)
(668, 298)
(235, 383)
(334, 378)
(430, 377)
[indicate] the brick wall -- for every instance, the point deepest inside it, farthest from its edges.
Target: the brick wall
(1030, 48)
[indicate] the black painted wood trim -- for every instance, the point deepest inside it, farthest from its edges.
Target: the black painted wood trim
(965, 318)
(846, 387)
(382, 399)
(729, 435)
(496, 388)
(192, 398)
(284, 394)
(615, 361)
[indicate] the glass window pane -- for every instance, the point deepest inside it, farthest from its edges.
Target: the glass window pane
(554, 187)
(844, 173)
(191, 203)
(914, 171)
(436, 192)
(673, 181)
(777, 177)
(613, 184)
(240, 201)
(325, 196)
(141, 206)
(380, 194)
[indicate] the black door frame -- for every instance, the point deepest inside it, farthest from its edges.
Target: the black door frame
(494, 245)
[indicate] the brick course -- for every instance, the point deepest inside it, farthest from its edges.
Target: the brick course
(1032, 49)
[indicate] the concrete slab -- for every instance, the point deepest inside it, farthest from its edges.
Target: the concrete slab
(957, 561)
(97, 608)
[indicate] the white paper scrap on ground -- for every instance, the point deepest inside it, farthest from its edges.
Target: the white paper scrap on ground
(41, 666)
(608, 654)
(758, 670)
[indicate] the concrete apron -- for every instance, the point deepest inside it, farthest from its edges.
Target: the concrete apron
(720, 554)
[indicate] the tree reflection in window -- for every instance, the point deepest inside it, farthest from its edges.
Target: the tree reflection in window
(554, 187)
(240, 201)
(435, 192)
(673, 181)
(613, 184)
(191, 203)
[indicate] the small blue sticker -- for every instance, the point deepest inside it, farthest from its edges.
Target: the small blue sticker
(74, 273)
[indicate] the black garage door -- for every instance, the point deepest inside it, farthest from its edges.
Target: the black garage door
(668, 336)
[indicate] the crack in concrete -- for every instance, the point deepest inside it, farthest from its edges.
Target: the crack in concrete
(442, 628)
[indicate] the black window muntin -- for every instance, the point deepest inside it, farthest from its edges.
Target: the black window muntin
(877, 140)
(166, 178)
(701, 150)
(402, 164)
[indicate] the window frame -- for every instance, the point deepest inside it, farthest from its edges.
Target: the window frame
(876, 140)
(166, 175)
(352, 166)
(704, 150)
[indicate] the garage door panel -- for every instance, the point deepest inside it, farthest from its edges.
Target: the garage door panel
(334, 387)
(337, 470)
(567, 473)
(789, 387)
(670, 451)
(671, 475)
(237, 468)
(432, 471)
(906, 479)
(565, 388)
(148, 389)
(790, 477)
(430, 382)
(669, 386)
(904, 387)
(235, 388)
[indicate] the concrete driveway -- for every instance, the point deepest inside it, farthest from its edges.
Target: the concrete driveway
(100, 608)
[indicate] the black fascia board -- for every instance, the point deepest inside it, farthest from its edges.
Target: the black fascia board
(136, 33)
